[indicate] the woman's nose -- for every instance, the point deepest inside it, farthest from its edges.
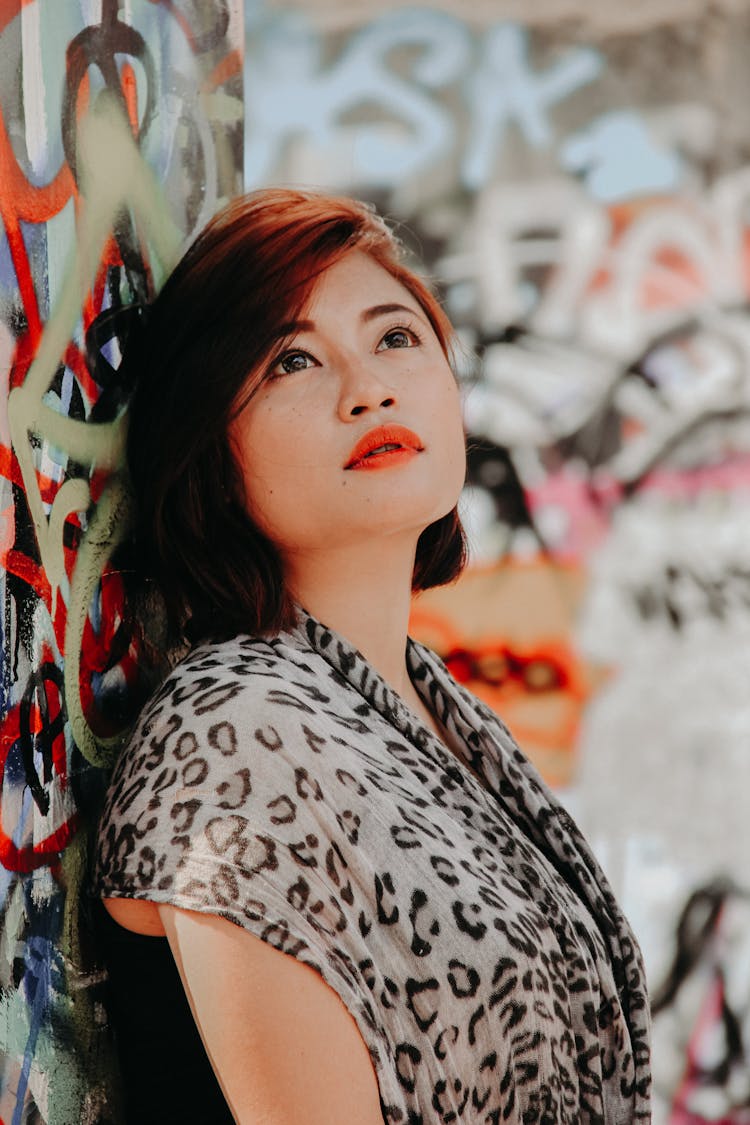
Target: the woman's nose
(362, 389)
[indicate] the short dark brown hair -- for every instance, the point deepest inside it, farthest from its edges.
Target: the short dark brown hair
(196, 360)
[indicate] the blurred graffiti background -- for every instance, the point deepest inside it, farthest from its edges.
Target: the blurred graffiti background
(576, 179)
(120, 134)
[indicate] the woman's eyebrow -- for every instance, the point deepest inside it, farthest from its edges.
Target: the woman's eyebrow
(384, 310)
(292, 328)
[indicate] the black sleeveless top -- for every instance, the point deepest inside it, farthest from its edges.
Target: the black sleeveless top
(166, 1076)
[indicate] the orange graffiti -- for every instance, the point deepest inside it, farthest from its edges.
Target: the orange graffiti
(504, 633)
(225, 69)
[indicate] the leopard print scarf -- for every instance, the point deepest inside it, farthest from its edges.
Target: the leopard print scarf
(457, 912)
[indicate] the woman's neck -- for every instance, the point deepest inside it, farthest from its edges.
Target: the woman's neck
(364, 593)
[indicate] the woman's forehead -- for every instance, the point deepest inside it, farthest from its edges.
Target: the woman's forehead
(355, 280)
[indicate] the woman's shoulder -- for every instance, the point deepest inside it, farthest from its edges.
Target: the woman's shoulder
(244, 674)
(221, 702)
(244, 658)
(230, 733)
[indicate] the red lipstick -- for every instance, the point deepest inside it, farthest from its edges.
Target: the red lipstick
(383, 447)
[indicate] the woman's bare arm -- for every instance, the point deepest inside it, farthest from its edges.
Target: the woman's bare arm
(283, 1045)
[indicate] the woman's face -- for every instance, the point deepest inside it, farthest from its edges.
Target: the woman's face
(356, 431)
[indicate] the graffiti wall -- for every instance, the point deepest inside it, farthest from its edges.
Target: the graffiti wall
(583, 200)
(582, 197)
(120, 134)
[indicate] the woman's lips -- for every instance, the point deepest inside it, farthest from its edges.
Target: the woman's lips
(384, 446)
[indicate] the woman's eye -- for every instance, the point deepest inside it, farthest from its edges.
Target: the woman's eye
(291, 362)
(398, 338)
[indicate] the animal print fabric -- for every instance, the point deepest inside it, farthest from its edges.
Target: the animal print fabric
(457, 912)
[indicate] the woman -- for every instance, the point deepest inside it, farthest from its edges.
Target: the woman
(377, 910)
